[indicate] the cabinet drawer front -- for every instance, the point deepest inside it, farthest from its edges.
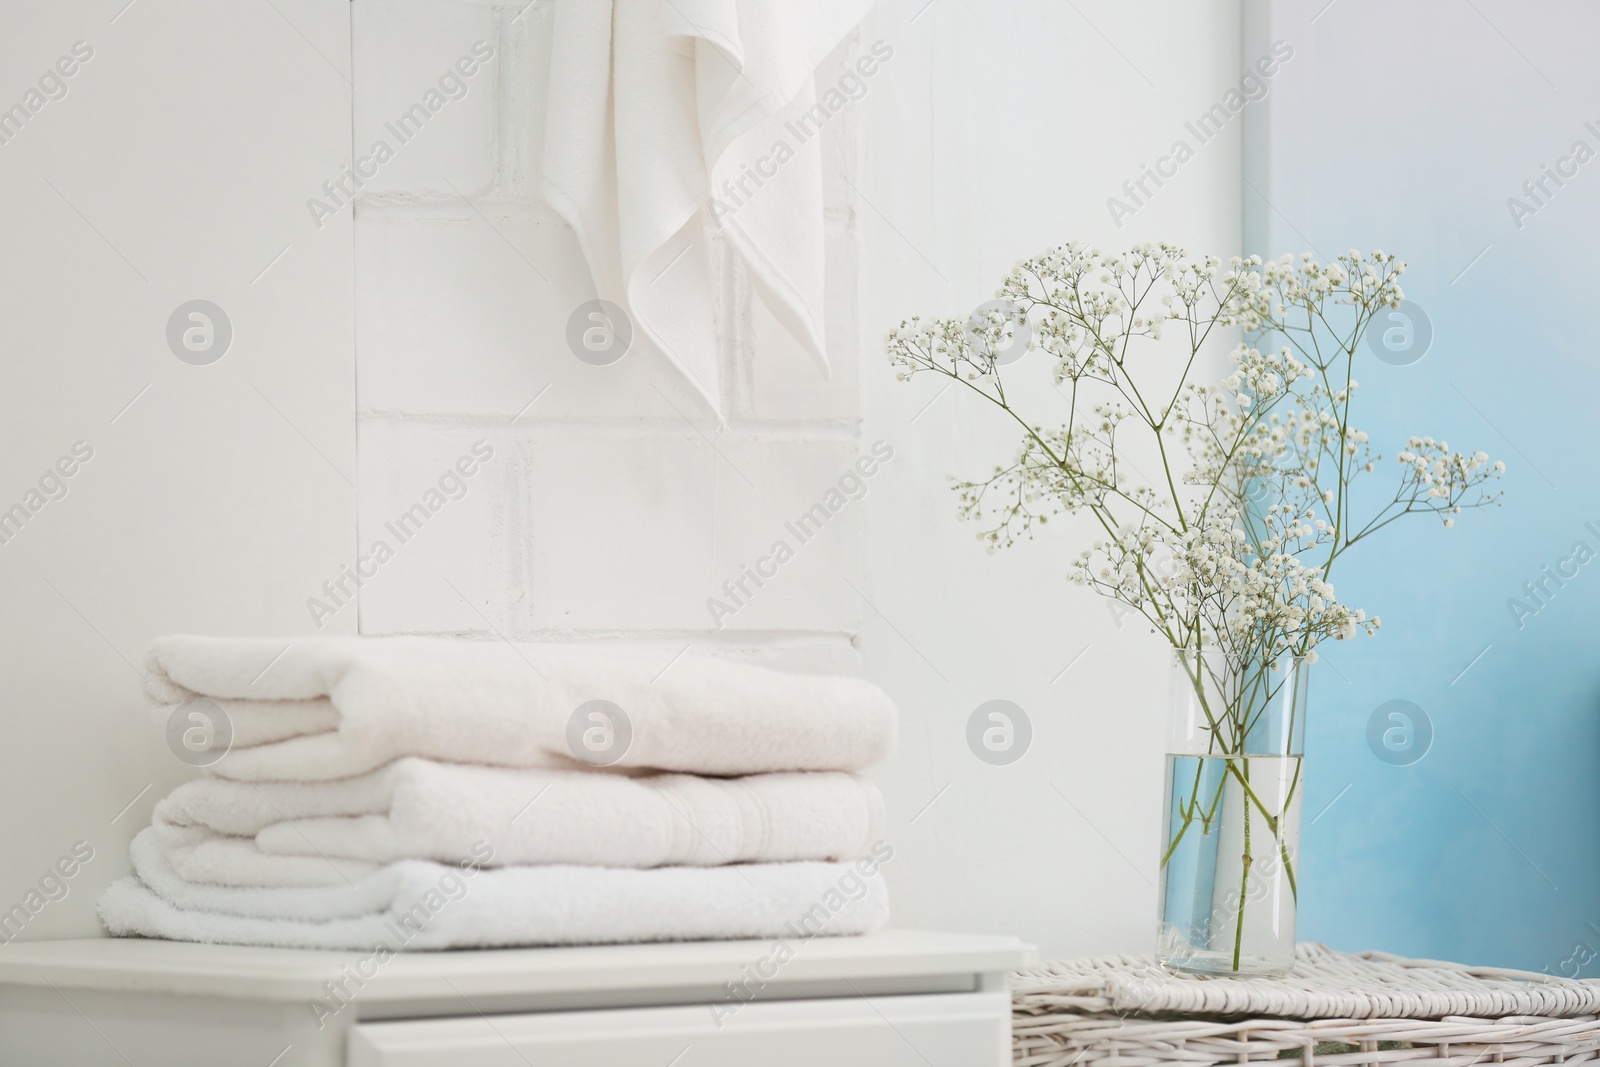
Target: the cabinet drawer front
(946, 1030)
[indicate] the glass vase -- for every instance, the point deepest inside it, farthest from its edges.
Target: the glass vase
(1230, 849)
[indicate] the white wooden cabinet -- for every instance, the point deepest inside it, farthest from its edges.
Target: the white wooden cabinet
(958, 1029)
(885, 1000)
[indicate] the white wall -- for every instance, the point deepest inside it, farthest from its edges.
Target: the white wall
(613, 511)
(218, 497)
(1000, 132)
(613, 507)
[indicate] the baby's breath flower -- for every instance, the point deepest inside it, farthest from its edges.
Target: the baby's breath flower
(1230, 545)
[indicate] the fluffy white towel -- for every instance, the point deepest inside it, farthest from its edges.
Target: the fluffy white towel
(421, 905)
(418, 809)
(332, 707)
(652, 105)
(207, 859)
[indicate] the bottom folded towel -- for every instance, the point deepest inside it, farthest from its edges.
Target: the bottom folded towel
(423, 905)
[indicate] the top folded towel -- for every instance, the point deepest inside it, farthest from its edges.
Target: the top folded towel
(316, 708)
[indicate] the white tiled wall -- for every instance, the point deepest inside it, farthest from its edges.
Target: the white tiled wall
(615, 505)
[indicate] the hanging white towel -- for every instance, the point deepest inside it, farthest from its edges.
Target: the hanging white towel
(652, 106)
(420, 809)
(420, 905)
(332, 707)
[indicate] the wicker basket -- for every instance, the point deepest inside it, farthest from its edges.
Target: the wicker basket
(1333, 1009)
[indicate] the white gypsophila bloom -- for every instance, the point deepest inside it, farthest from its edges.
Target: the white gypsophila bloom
(1231, 541)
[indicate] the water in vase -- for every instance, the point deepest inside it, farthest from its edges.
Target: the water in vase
(1229, 863)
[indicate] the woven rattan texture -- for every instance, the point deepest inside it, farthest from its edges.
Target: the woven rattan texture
(1333, 1009)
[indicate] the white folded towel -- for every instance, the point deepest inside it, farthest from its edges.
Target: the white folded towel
(204, 858)
(419, 809)
(332, 707)
(421, 905)
(654, 105)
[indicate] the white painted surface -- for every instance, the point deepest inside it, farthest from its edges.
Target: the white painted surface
(105, 1001)
(957, 1030)
(218, 497)
(534, 974)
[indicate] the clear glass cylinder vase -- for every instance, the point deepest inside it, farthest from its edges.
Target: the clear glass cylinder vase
(1230, 847)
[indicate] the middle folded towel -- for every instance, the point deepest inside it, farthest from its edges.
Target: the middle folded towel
(420, 809)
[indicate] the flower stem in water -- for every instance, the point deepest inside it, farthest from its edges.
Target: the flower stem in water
(1244, 878)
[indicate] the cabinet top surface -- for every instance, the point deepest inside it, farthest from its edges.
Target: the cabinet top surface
(139, 965)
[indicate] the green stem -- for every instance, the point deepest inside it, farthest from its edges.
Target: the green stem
(1193, 808)
(1244, 781)
(1244, 877)
(1283, 844)
(1273, 822)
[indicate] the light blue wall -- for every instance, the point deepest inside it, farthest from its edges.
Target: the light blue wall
(1407, 128)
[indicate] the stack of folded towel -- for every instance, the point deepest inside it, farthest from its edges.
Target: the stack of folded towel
(436, 793)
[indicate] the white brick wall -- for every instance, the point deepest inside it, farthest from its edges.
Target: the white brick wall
(613, 507)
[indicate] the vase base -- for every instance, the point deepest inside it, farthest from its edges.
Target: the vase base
(1220, 965)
